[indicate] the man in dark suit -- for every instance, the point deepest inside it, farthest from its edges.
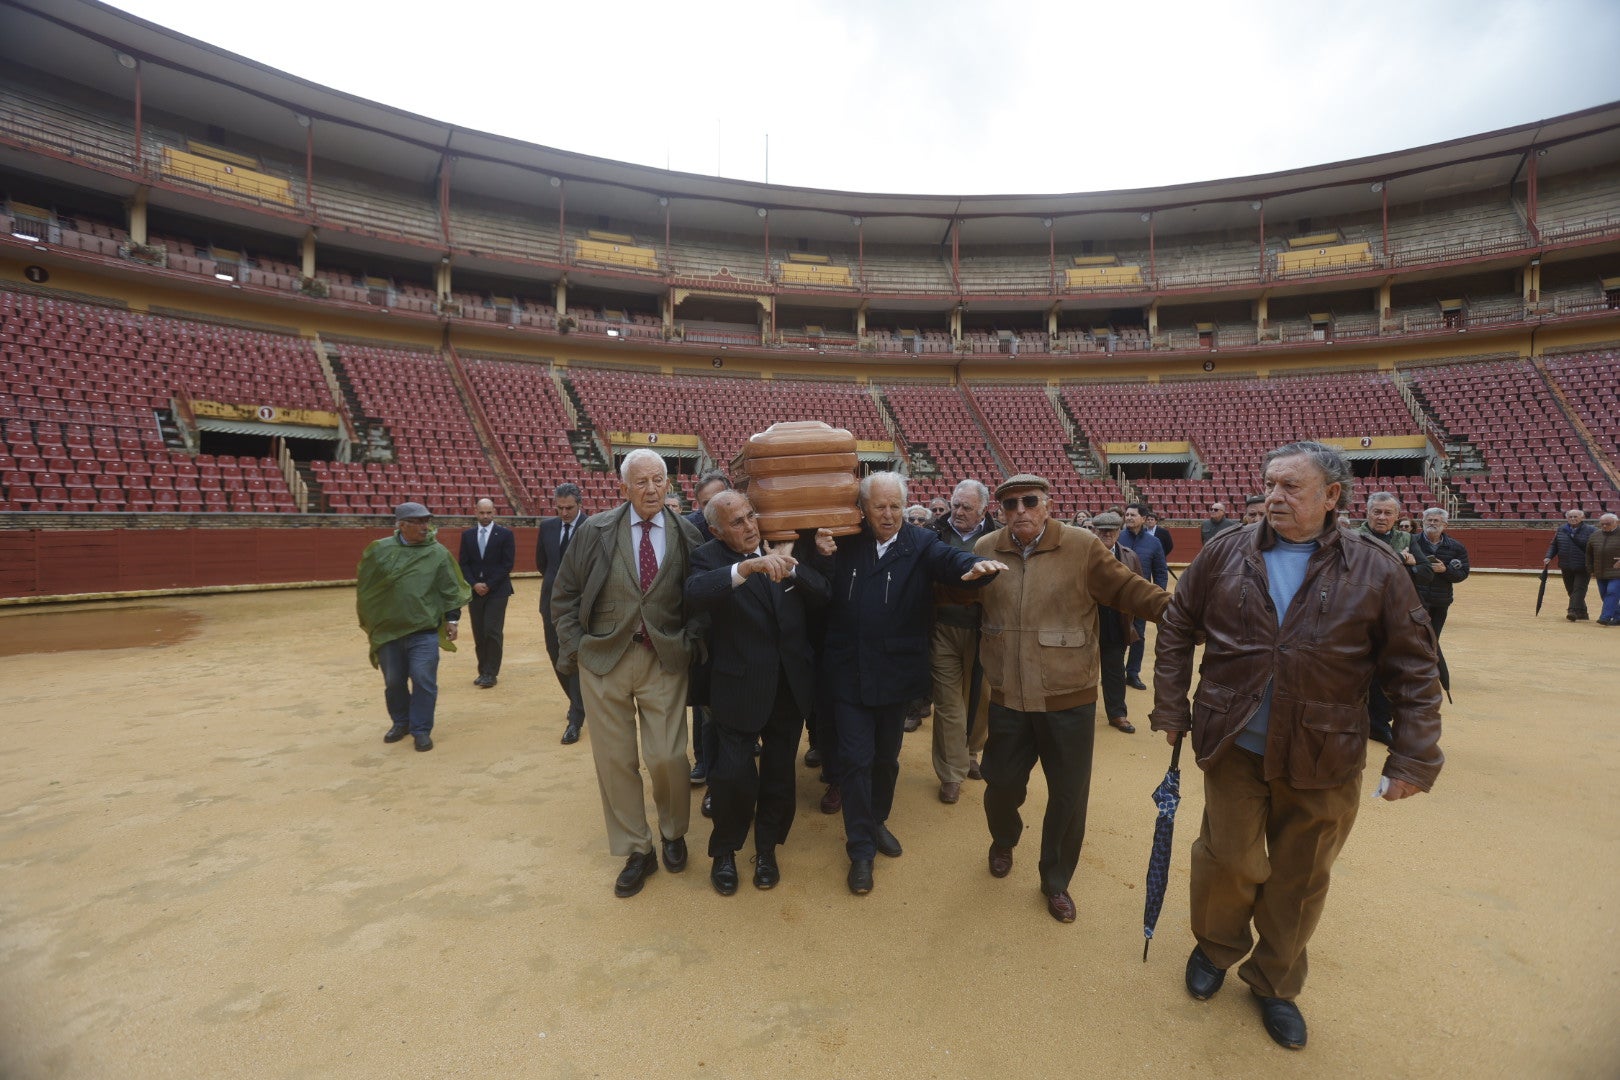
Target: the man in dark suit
(762, 680)
(704, 749)
(556, 533)
(876, 654)
(621, 623)
(488, 551)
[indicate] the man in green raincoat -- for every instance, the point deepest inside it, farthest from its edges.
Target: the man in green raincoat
(409, 599)
(1383, 511)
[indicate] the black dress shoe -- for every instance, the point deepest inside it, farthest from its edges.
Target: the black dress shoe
(708, 804)
(675, 854)
(767, 875)
(396, 733)
(640, 866)
(886, 842)
(1135, 682)
(570, 735)
(812, 758)
(860, 877)
(724, 874)
(1203, 977)
(1283, 1022)
(424, 743)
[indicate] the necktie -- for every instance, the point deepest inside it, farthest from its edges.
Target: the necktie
(647, 559)
(562, 548)
(483, 540)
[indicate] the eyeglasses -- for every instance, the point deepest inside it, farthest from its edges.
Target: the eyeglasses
(1010, 504)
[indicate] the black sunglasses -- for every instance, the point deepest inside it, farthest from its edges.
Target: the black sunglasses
(1010, 504)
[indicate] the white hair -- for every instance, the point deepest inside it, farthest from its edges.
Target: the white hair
(1608, 517)
(641, 454)
(974, 488)
(1435, 511)
(887, 477)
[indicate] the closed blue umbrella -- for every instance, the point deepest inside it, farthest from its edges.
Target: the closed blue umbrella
(1167, 796)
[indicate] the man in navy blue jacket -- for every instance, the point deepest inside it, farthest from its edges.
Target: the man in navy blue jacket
(487, 554)
(1150, 554)
(876, 654)
(1569, 548)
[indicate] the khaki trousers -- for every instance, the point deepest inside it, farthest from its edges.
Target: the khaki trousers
(638, 687)
(954, 649)
(1264, 855)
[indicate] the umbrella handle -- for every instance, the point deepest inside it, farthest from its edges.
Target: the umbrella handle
(1175, 754)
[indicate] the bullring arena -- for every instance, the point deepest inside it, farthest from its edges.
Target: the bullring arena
(227, 349)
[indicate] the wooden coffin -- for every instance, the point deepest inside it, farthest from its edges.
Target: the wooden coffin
(800, 474)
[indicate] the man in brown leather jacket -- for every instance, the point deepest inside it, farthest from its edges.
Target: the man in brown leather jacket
(1297, 617)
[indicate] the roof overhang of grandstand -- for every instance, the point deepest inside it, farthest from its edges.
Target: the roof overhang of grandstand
(79, 41)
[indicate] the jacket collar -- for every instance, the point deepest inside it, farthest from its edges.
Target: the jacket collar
(1051, 538)
(1265, 538)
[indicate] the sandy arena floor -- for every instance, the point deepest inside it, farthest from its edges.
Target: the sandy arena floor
(213, 867)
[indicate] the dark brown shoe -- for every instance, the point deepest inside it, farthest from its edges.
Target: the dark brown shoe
(1000, 861)
(1122, 724)
(1061, 906)
(833, 800)
(949, 792)
(973, 769)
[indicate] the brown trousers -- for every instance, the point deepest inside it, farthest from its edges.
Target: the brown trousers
(1264, 856)
(954, 649)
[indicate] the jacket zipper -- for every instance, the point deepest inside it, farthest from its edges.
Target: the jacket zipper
(851, 595)
(886, 575)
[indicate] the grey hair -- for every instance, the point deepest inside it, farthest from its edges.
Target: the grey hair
(1383, 496)
(641, 454)
(1608, 517)
(567, 490)
(712, 508)
(1574, 510)
(710, 477)
(976, 489)
(870, 478)
(1435, 511)
(1328, 461)
(916, 508)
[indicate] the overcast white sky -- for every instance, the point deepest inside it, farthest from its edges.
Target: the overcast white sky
(942, 96)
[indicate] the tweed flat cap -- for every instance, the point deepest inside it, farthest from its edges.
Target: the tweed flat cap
(1021, 481)
(1107, 520)
(405, 511)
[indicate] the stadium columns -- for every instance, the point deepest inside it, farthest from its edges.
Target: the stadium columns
(307, 252)
(1153, 319)
(137, 216)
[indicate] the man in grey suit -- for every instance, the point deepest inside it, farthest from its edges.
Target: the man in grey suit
(621, 625)
(556, 533)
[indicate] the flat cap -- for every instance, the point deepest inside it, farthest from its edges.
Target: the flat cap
(1021, 481)
(1107, 520)
(405, 511)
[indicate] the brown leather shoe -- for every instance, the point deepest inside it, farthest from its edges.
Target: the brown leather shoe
(833, 800)
(1000, 861)
(1122, 724)
(949, 792)
(973, 769)
(1061, 906)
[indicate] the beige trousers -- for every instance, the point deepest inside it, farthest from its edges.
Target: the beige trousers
(1264, 856)
(639, 693)
(954, 648)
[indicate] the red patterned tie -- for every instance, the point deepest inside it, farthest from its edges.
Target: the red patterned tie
(647, 560)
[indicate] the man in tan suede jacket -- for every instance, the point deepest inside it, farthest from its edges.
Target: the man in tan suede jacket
(1038, 647)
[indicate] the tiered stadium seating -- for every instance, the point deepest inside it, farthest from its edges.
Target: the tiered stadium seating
(938, 417)
(723, 412)
(1591, 385)
(1538, 465)
(438, 458)
(529, 420)
(1233, 423)
(80, 387)
(1032, 437)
